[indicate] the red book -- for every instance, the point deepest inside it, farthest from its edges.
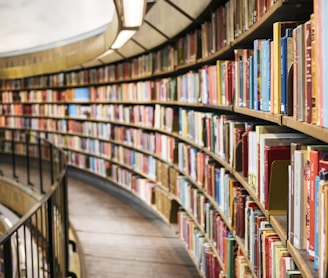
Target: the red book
(228, 81)
(271, 154)
(268, 259)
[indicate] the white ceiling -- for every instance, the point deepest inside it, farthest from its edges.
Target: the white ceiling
(27, 25)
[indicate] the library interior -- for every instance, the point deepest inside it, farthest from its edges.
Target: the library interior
(164, 138)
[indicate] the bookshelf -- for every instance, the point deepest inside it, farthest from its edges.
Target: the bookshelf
(162, 127)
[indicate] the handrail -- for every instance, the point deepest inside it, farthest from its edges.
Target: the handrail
(37, 244)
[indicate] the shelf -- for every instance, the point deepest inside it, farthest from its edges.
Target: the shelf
(309, 129)
(279, 223)
(259, 114)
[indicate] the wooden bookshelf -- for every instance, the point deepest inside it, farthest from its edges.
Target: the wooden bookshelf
(276, 213)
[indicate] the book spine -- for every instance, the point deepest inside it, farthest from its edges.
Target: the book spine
(324, 61)
(257, 75)
(314, 71)
(265, 76)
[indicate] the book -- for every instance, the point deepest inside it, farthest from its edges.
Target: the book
(279, 31)
(238, 76)
(257, 74)
(314, 70)
(230, 252)
(286, 64)
(291, 184)
(266, 234)
(247, 77)
(286, 263)
(322, 224)
(323, 63)
(298, 73)
(300, 202)
(315, 154)
(308, 71)
(265, 75)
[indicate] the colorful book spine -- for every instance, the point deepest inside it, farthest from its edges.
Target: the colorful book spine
(286, 64)
(257, 74)
(265, 76)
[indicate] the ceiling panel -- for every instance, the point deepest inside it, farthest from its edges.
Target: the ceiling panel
(193, 9)
(148, 37)
(167, 19)
(130, 49)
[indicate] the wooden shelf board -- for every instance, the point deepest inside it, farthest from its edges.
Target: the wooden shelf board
(301, 259)
(309, 129)
(259, 114)
(279, 223)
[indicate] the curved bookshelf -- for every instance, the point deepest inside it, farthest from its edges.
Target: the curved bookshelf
(211, 109)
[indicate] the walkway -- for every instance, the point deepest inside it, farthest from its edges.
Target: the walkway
(120, 236)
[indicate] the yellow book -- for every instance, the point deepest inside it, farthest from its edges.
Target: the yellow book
(219, 81)
(278, 32)
(280, 251)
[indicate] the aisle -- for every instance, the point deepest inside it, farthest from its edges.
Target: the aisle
(122, 238)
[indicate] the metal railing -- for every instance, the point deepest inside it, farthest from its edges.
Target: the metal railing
(37, 244)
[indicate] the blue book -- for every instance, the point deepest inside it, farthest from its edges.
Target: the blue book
(217, 185)
(265, 75)
(81, 94)
(286, 48)
(72, 110)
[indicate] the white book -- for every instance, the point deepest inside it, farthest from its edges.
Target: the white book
(299, 199)
(252, 158)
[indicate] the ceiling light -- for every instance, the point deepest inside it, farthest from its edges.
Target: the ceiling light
(133, 12)
(122, 38)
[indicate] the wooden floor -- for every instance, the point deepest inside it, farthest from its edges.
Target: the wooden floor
(120, 237)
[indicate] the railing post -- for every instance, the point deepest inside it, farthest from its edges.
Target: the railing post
(13, 155)
(51, 255)
(66, 222)
(7, 254)
(27, 139)
(40, 165)
(51, 164)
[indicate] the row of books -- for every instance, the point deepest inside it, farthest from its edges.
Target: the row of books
(25, 96)
(198, 245)
(139, 185)
(55, 79)
(138, 161)
(45, 110)
(267, 260)
(261, 181)
(142, 115)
